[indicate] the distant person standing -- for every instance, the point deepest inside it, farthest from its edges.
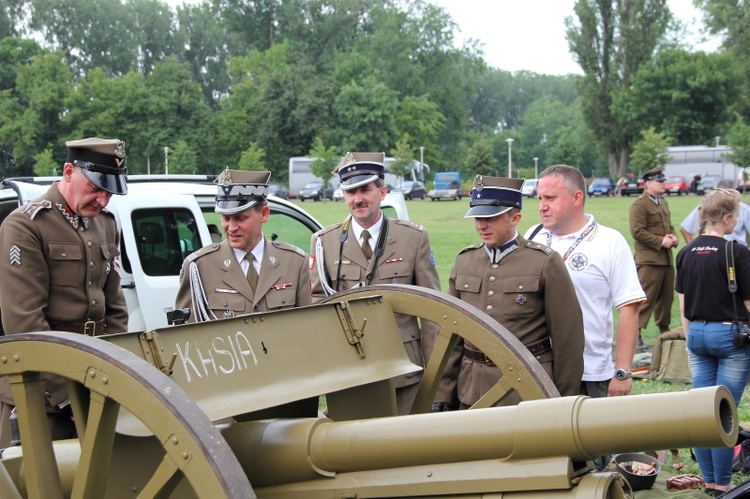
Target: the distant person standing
(654, 236)
(689, 227)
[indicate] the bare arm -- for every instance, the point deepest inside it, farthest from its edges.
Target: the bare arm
(627, 335)
(686, 235)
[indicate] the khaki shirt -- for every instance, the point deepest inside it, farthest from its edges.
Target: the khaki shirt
(407, 259)
(284, 280)
(530, 293)
(58, 268)
(649, 223)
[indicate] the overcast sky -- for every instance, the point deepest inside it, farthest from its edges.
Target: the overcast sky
(530, 34)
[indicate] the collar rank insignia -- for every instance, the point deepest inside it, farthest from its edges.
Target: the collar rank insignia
(520, 299)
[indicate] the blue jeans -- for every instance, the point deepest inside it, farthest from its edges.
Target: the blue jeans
(714, 360)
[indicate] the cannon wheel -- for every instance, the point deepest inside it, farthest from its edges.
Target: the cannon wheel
(456, 319)
(101, 378)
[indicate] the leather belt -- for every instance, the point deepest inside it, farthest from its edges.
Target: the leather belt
(91, 328)
(744, 323)
(536, 348)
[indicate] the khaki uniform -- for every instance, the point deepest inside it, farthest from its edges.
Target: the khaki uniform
(57, 268)
(649, 223)
(530, 293)
(284, 280)
(407, 259)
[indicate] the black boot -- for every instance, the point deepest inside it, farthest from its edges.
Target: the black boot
(640, 346)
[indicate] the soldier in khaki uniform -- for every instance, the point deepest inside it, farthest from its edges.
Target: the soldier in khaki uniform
(246, 272)
(58, 265)
(394, 252)
(651, 227)
(524, 286)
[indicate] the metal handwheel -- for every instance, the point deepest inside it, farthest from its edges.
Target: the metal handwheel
(102, 378)
(456, 319)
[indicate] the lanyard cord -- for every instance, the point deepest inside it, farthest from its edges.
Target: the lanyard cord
(573, 246)
(378, 249)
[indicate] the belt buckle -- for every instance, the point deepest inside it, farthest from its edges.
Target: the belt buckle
(89, 328)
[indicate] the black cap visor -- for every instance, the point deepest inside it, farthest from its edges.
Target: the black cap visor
(114, 184)
(358, 181)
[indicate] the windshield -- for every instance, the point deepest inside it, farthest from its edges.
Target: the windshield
(314, 185)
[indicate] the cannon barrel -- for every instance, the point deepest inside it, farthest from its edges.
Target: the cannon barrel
(284, 451)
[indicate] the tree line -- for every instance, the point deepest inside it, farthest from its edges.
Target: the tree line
(248, 84)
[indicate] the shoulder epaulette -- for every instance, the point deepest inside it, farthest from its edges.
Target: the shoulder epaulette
(325, 230)
(32, 209)
(202, 252)
(289, 247)
(407, 223)
(538, 246)
(472, 247)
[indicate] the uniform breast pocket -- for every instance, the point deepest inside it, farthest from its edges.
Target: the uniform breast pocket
(66, 262)
(395, 273)
(109, 251)
(227, 302)
(521, 294)
(281, 298)
(468, 284)
(351, 274)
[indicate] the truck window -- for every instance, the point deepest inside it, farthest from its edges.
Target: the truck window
(282, 225)
(165, 237)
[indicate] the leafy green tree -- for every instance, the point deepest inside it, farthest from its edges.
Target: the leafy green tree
(14, 51)
(480, 160)
(326, 159)
(14, 18)
(565, 150)
(420, 119)
(650, 151)
(364, 116)
(182, 158)
(403, 157)
(686, 95)
(252, 158)
(45, 164)
(739, 140)
(610, 41)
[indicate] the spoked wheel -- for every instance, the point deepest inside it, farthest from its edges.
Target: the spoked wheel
(457, 319)
(101, 378)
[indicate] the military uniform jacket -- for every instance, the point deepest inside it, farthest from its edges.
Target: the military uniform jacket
(530, 293)
(649, 223)
(284, 280)
(58, 268)
(407, 259)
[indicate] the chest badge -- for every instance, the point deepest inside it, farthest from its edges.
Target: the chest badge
(520, 299)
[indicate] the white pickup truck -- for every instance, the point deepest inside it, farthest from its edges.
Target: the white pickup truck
(162, 220)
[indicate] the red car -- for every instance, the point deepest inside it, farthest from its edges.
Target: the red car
(676, 185)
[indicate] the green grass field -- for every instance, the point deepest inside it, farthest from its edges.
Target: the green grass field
(450, 231)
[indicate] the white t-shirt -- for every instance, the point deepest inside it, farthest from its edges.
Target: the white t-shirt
(739, 234)
(603, 272)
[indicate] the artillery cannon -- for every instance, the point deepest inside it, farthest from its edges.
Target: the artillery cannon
(145, 406)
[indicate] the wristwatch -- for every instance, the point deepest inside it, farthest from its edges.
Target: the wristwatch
(622, 374)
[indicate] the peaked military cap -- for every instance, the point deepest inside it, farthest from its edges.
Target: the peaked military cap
(492, 196)
(360, 168)
(240, 190)
(655, 174)
(102, 161)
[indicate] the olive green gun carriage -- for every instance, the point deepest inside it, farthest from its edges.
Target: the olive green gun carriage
(229, 408)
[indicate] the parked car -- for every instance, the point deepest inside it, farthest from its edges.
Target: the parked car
(707, 183)
(315, 191)
(602, 186)
(676, 185)
(278, 190)
(338, 194)
(529, 188)
(630, 186)
(413, 189)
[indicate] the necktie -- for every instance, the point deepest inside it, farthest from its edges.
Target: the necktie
(366, 249)
(252, 274)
